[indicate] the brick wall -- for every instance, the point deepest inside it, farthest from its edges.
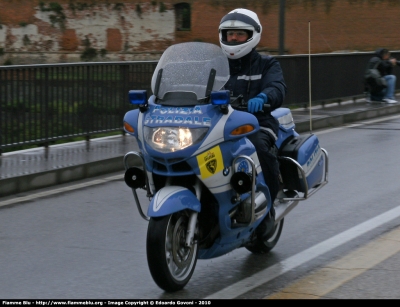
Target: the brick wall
(41, 31)
(335, 25)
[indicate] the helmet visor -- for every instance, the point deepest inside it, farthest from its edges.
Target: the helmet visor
(240, 17)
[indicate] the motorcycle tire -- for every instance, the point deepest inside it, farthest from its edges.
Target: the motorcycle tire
(260, 246)
(171, 263)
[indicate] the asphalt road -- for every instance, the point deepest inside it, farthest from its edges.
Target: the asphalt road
(87, 240)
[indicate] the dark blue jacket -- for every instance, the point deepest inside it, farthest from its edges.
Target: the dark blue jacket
(384, 66)
(253, 74)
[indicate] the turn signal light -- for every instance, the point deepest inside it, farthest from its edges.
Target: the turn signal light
(128, 128)
(242, 130)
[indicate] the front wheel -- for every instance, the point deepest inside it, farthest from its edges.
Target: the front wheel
(171, 263)
(260, 246)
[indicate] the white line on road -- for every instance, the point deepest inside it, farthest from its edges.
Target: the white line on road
(60, 190)
(337, 273)
(301, 258)
(358, 124)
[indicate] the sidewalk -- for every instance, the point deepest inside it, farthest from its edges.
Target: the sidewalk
(27, 170)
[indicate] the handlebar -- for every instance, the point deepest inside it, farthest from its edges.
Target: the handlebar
(239, 104)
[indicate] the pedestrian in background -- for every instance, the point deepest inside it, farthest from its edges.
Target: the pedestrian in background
(384, 63)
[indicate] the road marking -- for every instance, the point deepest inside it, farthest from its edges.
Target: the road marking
(357, 124)
(337, 273)
(301, 258)
(60, 190)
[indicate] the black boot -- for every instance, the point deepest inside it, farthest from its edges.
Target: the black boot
(266, 228)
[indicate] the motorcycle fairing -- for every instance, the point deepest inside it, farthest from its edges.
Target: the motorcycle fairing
(172, 199)
(219, 182)
(131, 117)
(201, 116)
(215, 136)
(244, 118)
(220, 128)
(210, 162)
(232, 238)
(217, 171)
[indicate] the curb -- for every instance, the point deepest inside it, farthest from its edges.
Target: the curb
(29, 182)
(347, 118)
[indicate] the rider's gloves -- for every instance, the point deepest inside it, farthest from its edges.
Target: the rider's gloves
(256, 104)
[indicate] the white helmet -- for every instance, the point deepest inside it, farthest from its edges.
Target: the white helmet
(240, 19)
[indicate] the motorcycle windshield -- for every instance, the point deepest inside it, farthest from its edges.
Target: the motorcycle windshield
(192, 67)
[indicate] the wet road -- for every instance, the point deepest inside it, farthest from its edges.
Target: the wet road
(88, 240)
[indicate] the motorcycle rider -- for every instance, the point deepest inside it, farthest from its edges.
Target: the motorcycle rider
(259, 79)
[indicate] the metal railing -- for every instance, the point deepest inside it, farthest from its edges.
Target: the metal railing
(40, 104)
(334, 76)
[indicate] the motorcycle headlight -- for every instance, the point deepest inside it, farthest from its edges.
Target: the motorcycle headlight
(170, 139)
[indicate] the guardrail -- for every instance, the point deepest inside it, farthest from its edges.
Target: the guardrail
(40, 104)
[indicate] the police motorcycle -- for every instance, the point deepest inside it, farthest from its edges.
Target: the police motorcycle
(206, 189)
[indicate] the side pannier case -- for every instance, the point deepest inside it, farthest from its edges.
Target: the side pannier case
(302, 163)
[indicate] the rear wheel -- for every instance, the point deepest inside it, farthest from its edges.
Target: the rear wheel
(260, 246)
(171, 263)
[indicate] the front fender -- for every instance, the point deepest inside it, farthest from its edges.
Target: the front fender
(172, 199)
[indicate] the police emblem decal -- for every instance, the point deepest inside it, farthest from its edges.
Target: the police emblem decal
(211, 166)
(210, 162)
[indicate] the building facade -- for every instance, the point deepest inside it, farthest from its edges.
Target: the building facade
(58, 31)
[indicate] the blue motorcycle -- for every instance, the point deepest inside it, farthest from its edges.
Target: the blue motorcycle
(206, 189)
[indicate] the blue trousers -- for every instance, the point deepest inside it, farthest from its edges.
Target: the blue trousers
(388, 92)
